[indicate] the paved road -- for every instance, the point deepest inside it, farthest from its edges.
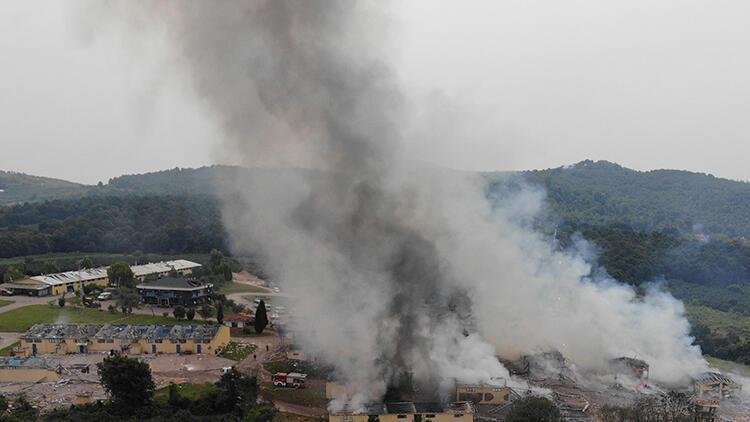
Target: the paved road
(6, 339)
(21, 301)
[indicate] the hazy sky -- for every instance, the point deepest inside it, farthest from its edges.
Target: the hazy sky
(493, 84)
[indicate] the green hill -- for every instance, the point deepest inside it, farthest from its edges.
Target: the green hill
(18, 187)
(604, 193)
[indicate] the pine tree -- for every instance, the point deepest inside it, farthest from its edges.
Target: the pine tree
(261, 318)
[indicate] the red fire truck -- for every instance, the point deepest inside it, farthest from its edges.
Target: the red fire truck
(292, 379)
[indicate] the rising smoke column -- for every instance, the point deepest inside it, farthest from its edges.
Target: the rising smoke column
(394, 269)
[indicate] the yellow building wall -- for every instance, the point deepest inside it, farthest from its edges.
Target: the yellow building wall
(483, 394)
(219, 341)
(28, 375)
(347, 418)
(451, 417)
(393, 417)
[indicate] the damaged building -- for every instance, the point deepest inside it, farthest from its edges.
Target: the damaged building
(130, 339)
(712, 387)
(408, 412)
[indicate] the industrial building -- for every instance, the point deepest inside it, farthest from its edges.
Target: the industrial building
(129, 339)
(169, 292)
(73, 281)
(485, 394)
(238, 320)
(408, 412)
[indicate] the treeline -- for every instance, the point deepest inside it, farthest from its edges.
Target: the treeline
(602, 193)
(113, 224)
(636, 257)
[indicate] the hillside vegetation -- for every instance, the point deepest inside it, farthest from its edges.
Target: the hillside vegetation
(18, 188)
(688, 231)
(604, 193)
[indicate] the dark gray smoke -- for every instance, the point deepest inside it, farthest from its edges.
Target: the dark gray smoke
(397, 273)
(304, 83)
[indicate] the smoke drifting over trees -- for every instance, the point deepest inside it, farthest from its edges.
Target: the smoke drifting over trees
(394, 268)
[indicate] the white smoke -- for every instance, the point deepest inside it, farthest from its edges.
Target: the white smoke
(392, 267)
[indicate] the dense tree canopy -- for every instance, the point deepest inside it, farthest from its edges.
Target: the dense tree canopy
(127, 381)
(161, 224)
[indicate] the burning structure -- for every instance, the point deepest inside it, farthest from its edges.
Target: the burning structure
(392, 267)
(712, 387)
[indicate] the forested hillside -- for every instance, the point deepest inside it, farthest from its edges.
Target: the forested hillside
(603, 193)
(159, 224)
(687, 230)
(19, 187)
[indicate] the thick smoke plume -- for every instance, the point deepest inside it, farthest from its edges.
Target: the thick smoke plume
(396, 271)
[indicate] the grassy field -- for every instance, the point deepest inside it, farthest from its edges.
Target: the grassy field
(238, 351)
(187, 391)
(21, 319)
(5, 302)
(310, 396)
(230, 288)
(719, 321)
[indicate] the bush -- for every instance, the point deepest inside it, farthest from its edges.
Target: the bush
(179, 312)
(533, 408)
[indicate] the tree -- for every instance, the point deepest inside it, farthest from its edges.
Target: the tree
(190, 314)
(261, 317)
(50, 267)
(127, 381)
(219, 313)
(262, 412)
(85, 262)
(121, 275)
(226, 271)
(61, 301)
(12, 274)
(179, 312)
(22, 411)
(127, 299)
(206, 311)
(215, 260)
(533, 408)
(235, 391)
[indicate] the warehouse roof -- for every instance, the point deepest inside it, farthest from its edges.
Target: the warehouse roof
(163, 267)
(172, 283)
(120, 331)
(101, 272)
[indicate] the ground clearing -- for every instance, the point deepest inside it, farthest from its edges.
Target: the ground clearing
(21, 319)
(252, 334)
(728, 366)
(312, 370)
(230, 288)
(187, 391)
(238, 351)
(311, 396)
(5, 302)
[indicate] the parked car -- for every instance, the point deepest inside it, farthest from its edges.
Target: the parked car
(104, 296)
(5, 292)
